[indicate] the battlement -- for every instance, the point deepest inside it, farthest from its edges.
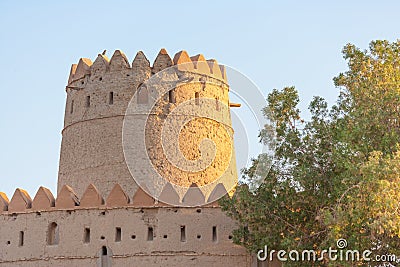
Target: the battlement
(44, 200)
(86, 71)
(104, 87)
(118, 230)
(122, 230)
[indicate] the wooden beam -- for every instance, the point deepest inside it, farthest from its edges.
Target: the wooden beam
(235, 105)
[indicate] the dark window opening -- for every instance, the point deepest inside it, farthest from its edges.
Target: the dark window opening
(21, 239)
(118, 234)
(198, 236)
(88, 101)
(196, 97)
(111, 98)
(133, 236)
(183, 233)
(214, 234)
(165, 236)
(53, 234)
(150, 234)
(72, 107)
(86, 236)
(142, 94)
(171, 96)
(104, 251)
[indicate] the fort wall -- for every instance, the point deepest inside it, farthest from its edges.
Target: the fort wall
(68, 231)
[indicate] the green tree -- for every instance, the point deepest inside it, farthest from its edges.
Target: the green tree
(335, 176)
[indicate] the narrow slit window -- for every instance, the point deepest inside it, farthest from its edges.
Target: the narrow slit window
(53, 234)
(72, 107)
(142, 94)
(86, 237)
(21, 238)
(118, 234)
(111, 98)
(171, 96)
(196, 97)
(217, 107)
(150, 234)
(183, 233)
(214, 234)
(88, 101)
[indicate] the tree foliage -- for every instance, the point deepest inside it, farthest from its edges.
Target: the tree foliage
(335, 176)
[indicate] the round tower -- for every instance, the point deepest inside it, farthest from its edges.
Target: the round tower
(159, 126)
(97, 96)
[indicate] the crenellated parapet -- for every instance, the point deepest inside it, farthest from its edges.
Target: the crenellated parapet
(21, 201)
(87, 71)
(105, 86)
(105, 80)
(124, 235)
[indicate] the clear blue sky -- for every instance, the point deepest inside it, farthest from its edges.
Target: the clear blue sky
(275, 43)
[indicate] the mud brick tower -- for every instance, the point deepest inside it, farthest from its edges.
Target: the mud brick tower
(146, 152)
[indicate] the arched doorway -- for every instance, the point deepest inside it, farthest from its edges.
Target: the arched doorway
(105, 256)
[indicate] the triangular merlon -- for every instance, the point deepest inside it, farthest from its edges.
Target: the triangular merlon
(140, 60)
(218, 192)
(117, 197)
(162, 61)
(3, 202)
(223, 71)
(43, 200)
(83, 68)
(66, 198)
(214, 68)
(72, 73)
(20, 201)
(91, 197)
(119, 61)
(193, 196)
(168, 196)
(100, 65)
(200, 64)
(142, 199)
(183, 61)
